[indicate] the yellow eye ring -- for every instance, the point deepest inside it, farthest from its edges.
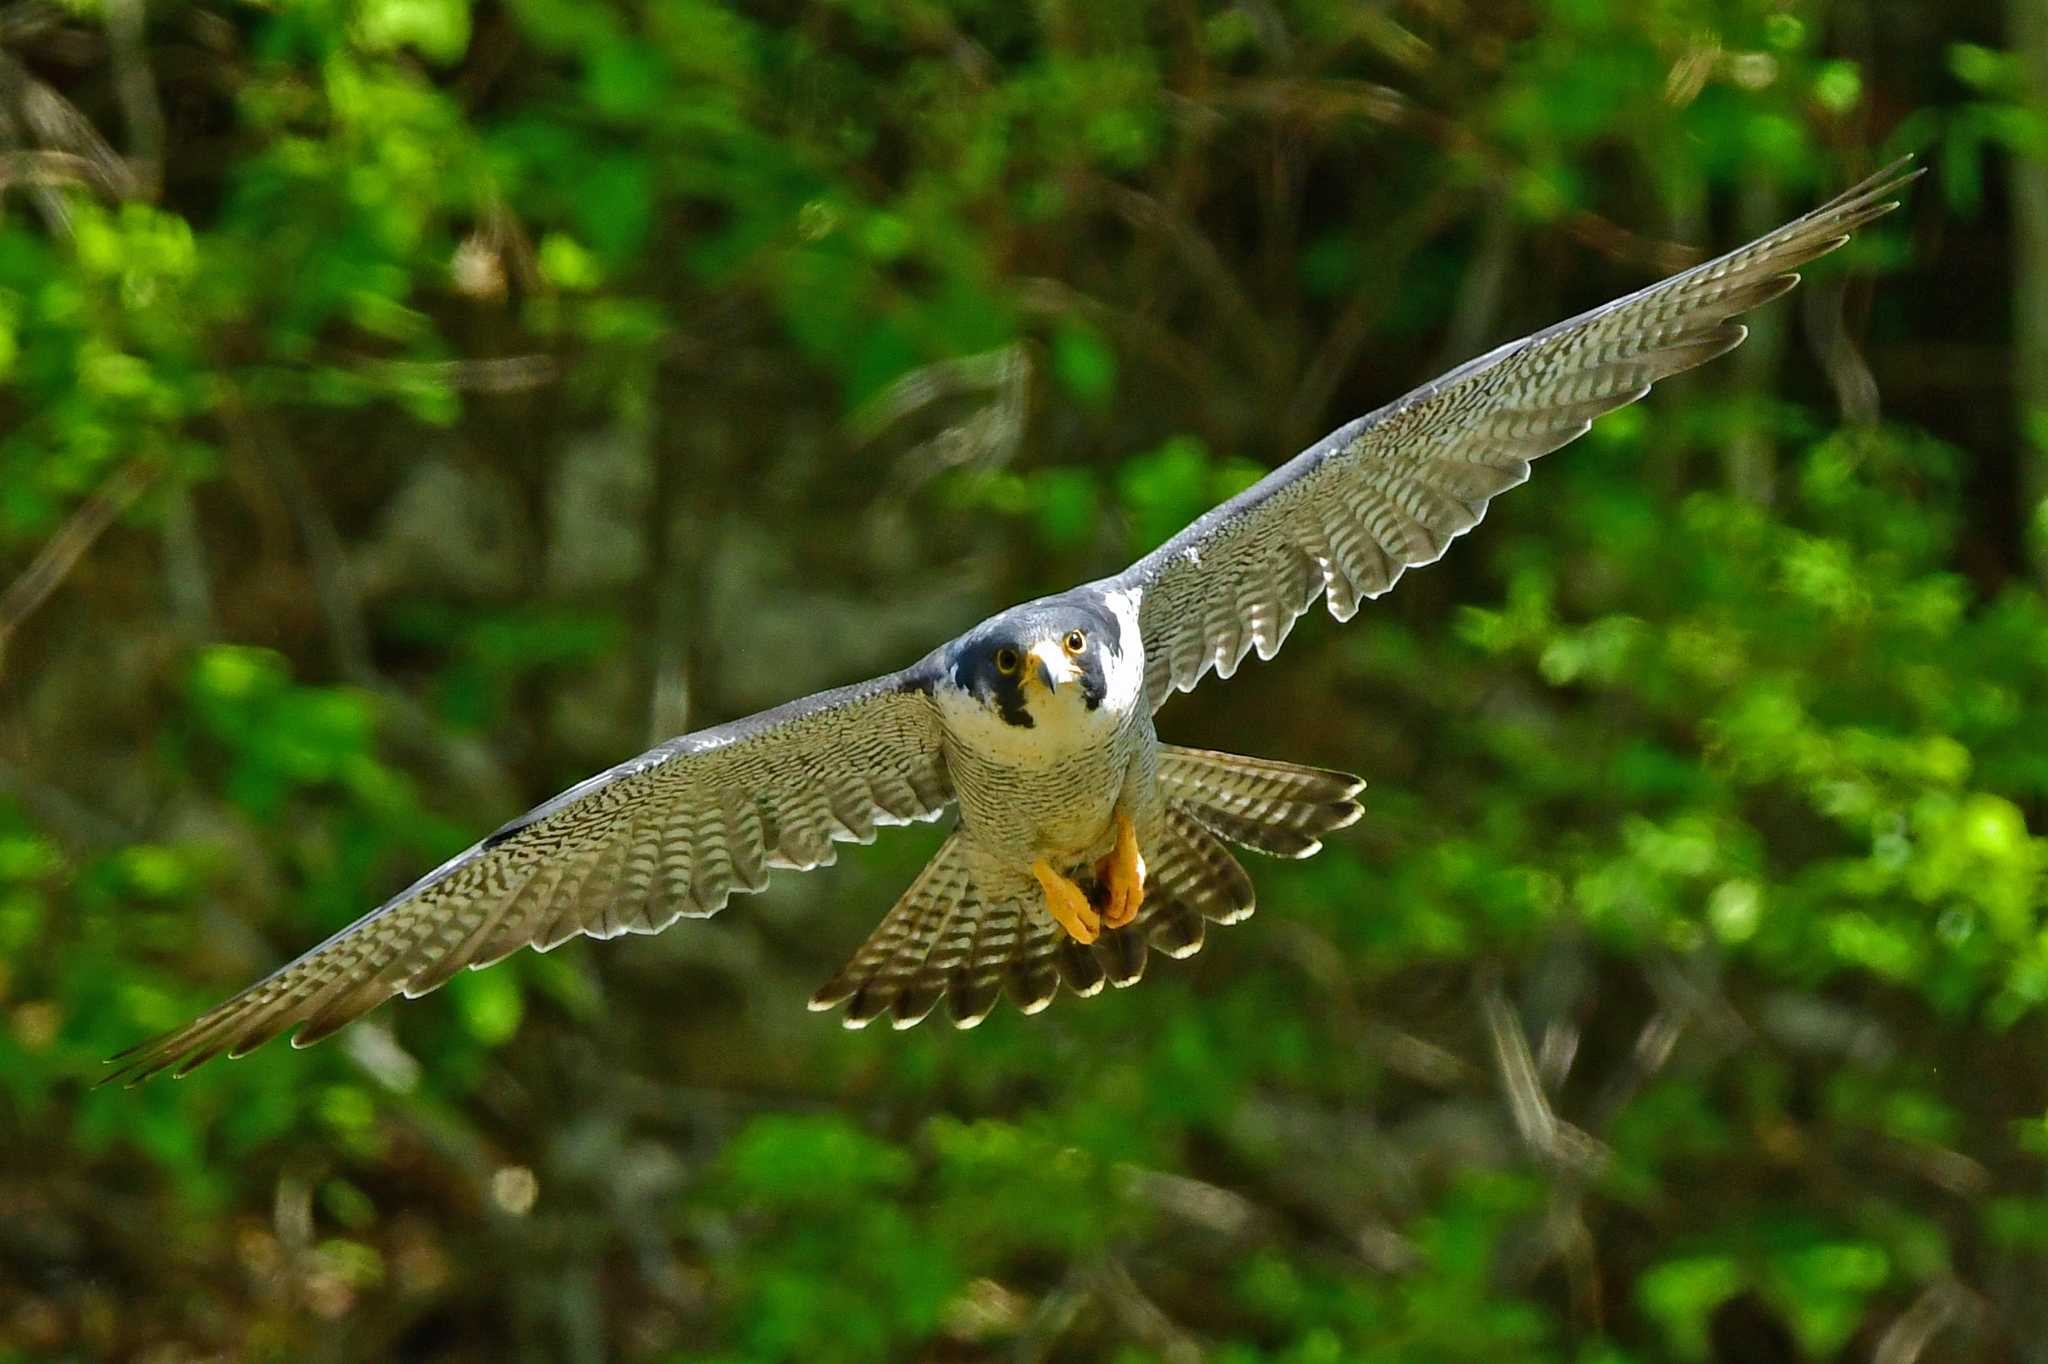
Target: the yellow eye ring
(1075, 641)
(1007, 661)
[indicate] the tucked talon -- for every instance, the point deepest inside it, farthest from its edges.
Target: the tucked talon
(1123, 871)
(1065, 902)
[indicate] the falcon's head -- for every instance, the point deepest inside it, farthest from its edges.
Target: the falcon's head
(1050, 664)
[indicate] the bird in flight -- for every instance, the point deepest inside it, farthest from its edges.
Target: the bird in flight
(1081, 842)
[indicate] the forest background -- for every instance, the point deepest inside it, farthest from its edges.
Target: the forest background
(408, 407)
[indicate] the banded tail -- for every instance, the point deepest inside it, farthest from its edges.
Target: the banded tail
(944, 941)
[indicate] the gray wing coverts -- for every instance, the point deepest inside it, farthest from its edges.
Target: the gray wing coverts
(670, 834)
(1391, 490)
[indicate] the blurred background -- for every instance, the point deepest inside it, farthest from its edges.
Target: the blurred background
(413, 406)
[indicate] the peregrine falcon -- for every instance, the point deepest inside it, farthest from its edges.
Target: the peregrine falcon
(1080, 840)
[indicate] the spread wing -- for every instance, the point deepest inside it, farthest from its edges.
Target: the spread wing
(1346, 517)
(670, 834)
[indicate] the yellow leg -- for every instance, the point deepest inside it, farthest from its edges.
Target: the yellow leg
(1065, 902)
(1123, 871)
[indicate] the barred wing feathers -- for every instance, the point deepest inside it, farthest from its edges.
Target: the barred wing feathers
(670, 834)
(1391, 490)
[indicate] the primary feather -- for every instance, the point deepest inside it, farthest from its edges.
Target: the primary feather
(1391, 490)
(670, 834)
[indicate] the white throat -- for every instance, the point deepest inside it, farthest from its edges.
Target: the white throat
(1061, 725)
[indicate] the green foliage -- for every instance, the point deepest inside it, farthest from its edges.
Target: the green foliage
(419, 405)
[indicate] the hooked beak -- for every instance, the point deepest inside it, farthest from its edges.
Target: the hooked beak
(1046, 668)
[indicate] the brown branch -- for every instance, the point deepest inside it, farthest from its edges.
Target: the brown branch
(486, 374)
(1848, 373)
(1945, 1302)
(57, 558)
(78, 824)
(1325, 371)
(1199, 256)
(14, 83)
(1190, 364)
(1569, 1148)
(56, 124)
(47, 170)
(135, 89)
(1328, 100)
(2027, 23)
(1143, 1319)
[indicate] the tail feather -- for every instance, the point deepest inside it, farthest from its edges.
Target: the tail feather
(1121, 952)
(945, 941)
(1275, 840)
(977, 982)
(913, 1004)
(1176, 930)
(1079, 970)
(887, 974)
(1271, 807)
(1195, 870)
(1032, 978)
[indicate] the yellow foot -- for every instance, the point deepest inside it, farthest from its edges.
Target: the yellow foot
(1065, 902)
(1123, 872)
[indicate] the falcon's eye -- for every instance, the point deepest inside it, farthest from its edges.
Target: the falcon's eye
(1075, 641)
(1006, 661)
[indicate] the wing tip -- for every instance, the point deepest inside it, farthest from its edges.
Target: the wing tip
(144, 1060)
(123, 1072)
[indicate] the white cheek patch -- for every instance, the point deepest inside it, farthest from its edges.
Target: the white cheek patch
(1124, 671)
(1060, 668)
